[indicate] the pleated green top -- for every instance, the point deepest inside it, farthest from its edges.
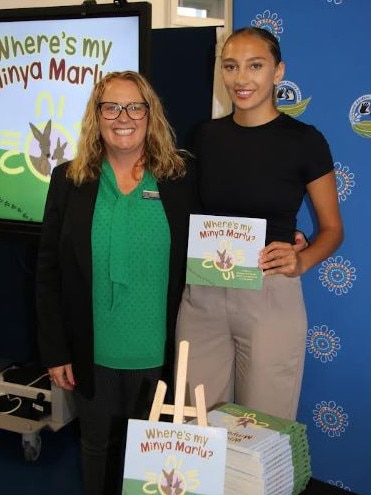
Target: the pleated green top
(130, 246)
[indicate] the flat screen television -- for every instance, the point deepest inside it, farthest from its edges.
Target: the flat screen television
(50, 59)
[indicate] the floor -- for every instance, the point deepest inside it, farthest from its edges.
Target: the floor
(56, 471)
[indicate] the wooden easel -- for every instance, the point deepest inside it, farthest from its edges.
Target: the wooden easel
(179, 410)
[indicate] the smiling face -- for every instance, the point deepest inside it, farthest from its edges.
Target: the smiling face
(123, 135)
(250, 73)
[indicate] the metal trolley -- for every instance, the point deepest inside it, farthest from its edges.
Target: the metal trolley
(62, 412)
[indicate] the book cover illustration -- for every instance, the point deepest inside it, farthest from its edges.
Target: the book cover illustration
(263, 420)
(174, 459)
(224, 251)
(244, 435)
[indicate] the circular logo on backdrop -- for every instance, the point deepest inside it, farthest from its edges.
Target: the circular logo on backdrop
(323, 343)
(344, 181)
(360, 116)
(330, 418)
(337, 275)
(289, 99)
(339, 484)
(270, 21)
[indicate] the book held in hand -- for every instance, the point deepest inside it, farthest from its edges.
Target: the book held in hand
(224, 251)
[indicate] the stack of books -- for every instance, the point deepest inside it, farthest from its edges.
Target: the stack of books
(266, 455)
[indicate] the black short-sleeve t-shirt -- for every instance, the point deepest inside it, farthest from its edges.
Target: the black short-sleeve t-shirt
(260, 172)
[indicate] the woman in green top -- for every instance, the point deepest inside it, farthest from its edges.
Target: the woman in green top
(111, 268)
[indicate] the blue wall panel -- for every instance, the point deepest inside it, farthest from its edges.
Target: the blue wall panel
(326, 45)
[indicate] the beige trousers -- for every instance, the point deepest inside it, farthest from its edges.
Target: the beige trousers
(246, 346)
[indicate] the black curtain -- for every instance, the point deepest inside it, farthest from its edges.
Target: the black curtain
(182, 72)
(17, 306)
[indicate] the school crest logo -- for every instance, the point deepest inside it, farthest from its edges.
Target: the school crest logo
(360, 116)
(289, 99)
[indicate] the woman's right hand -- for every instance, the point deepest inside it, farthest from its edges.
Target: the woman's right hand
(280, 258)
(62, 376)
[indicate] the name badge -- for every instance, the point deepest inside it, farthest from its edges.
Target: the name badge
(151, 195)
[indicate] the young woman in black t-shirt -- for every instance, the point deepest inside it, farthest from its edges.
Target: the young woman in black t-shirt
(248, 346)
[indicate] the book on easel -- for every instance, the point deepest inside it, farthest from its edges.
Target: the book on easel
(175, 458)
(168, 459)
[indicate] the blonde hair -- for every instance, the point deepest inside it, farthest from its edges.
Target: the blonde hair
(161, 156)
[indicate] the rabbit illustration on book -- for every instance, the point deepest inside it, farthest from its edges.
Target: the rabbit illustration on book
(58, 153)
(224, 262)
(173, 483)
(41, 163)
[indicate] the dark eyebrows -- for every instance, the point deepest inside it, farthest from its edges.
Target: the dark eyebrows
(251, 59)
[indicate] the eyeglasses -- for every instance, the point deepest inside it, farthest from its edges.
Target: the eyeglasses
(112, 111)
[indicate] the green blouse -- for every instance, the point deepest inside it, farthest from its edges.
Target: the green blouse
(130, 246)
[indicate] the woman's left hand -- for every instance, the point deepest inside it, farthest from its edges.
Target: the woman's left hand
(281, 258)
(62, 376)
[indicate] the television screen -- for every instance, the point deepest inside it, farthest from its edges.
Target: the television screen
(50, 59)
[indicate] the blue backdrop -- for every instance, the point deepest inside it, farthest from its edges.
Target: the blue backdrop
(326, 45)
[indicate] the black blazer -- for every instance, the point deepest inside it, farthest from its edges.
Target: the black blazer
(64, 271)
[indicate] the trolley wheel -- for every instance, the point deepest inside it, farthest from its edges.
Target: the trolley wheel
(31, 447)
